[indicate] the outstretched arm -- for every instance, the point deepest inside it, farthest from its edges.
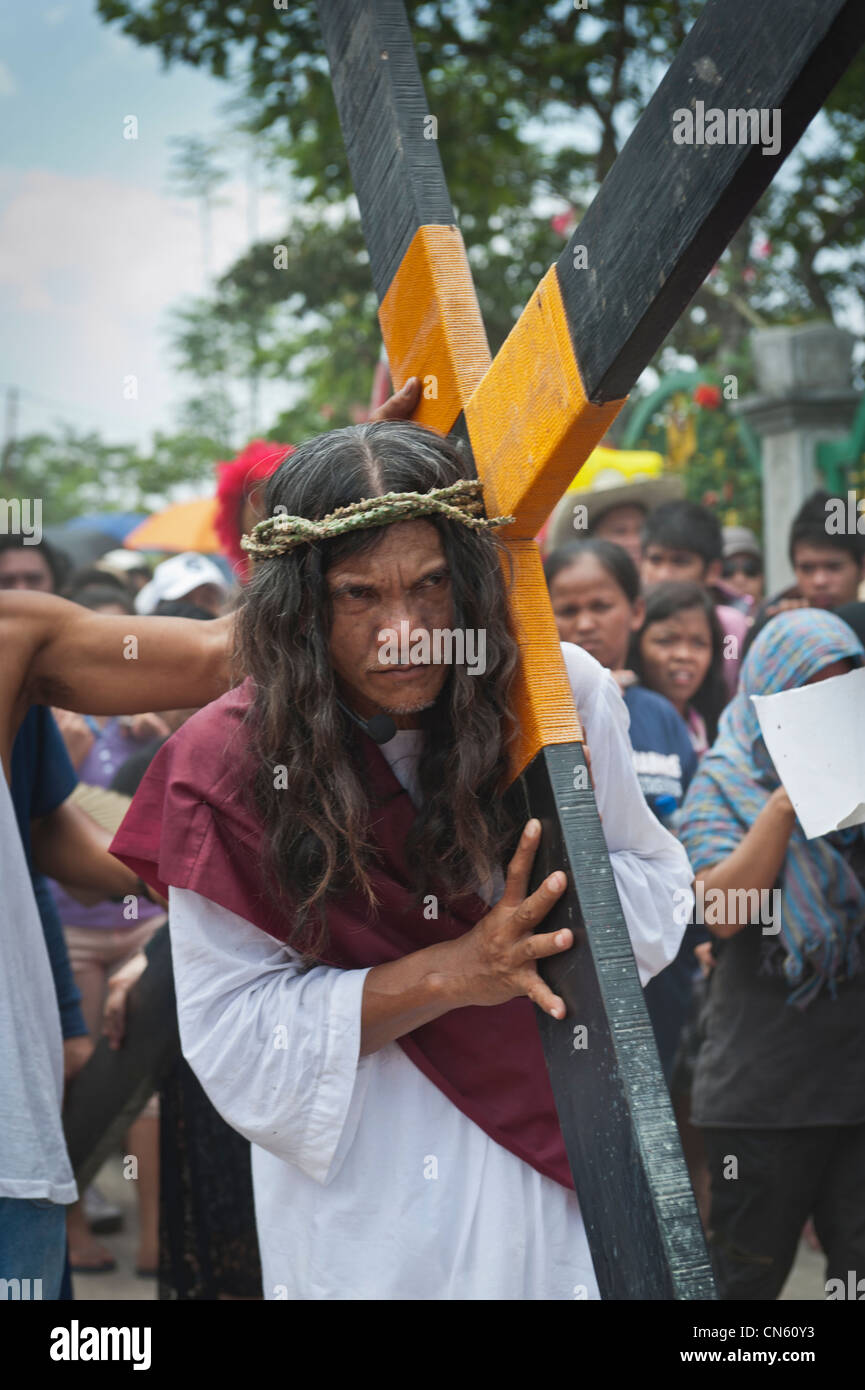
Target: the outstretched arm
(95, 664)
(57, 653)
(755, 863)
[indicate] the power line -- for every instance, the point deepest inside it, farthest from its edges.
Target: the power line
(52, 402)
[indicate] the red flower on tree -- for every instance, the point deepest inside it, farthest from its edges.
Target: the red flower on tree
(707, 397)
(564, 222)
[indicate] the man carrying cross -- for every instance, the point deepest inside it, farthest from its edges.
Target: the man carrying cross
(353, 971)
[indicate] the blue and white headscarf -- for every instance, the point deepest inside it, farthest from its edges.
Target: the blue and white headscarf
(822, 899)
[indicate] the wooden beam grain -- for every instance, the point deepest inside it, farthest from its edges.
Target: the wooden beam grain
(395, 167)
(633, 1186)
(432, 326)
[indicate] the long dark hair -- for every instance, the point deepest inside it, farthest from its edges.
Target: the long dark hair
(611, 557)
(316, 821)
(664, 601)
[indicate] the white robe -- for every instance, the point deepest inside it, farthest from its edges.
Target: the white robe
(369, 1183)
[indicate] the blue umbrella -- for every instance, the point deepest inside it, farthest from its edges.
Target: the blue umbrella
(82, 545)
(115, 524)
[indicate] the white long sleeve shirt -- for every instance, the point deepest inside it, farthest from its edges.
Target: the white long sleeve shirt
(369, 1183)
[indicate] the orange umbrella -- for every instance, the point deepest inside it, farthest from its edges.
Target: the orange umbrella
(183, 526)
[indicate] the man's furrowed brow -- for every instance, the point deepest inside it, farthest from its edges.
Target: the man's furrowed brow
(339, 584)
(435, 567)
(347, 580)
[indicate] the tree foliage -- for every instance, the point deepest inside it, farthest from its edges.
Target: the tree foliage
(74, 472)
(704, 442)
(533, 102)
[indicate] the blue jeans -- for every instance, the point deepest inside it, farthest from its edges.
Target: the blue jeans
(32, 1247)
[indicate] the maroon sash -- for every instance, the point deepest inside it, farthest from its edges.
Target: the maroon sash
(188, 827)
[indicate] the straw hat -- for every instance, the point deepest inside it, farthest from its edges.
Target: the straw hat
(612, 478)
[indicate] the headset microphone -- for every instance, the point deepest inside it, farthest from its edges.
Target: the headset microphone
(381, 728)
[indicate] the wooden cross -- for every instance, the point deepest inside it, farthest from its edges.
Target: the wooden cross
(529, 419)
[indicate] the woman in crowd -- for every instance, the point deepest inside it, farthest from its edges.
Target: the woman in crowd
(779, 1087)
(678, 651)
(595, 593)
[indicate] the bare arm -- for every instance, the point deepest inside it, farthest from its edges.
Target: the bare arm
(399, 997)
(490, 964)
(95, 664)
(757, 859)
(114, 1011)
(68, 845)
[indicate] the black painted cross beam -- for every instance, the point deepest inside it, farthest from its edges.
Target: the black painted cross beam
(662, 217)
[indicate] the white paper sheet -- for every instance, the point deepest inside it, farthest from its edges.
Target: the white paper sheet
(816, 738)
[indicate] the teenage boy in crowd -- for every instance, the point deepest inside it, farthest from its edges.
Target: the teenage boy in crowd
(682, 540)
(828, 566)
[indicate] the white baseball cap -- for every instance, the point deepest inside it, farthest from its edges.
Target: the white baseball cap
(177, 577)
(123, 561)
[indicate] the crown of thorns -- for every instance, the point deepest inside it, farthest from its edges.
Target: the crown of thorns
(462, 501)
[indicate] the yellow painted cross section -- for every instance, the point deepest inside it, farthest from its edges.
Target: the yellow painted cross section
(529, 421)
(432, 326)
(531, 428)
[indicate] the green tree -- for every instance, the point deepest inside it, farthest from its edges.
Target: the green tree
(74, 472)
(705, 442)
(533, 100)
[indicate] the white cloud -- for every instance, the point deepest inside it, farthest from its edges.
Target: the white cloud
(8, 85)
(70, 244)
(88, 270)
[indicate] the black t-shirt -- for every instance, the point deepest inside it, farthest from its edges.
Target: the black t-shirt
(766, 1064)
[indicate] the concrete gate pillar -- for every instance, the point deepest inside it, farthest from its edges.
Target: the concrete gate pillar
(805, 396)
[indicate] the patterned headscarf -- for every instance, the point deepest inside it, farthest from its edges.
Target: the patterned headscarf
(822, 899)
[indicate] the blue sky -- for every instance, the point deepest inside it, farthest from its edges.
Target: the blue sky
(95, 243)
